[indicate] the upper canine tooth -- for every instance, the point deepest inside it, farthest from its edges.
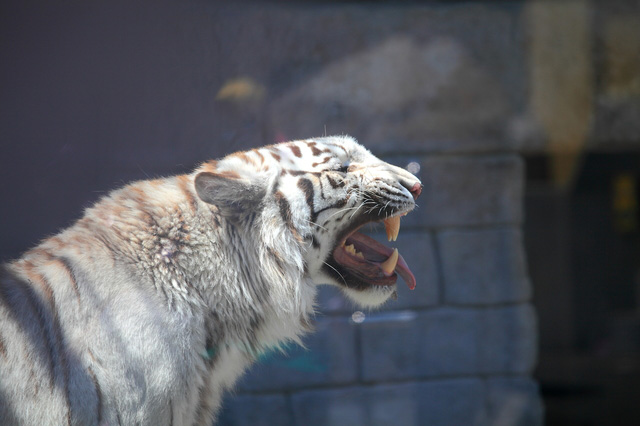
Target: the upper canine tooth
(389, 265)
(350, 248)
(392, 226)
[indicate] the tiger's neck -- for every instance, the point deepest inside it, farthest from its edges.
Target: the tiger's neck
(251, 267)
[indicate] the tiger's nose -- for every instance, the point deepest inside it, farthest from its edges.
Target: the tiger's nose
(416, 190)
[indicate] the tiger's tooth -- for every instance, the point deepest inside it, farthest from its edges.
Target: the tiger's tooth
(389, 265)
(350, 249)
(392, 226)
(360, 255)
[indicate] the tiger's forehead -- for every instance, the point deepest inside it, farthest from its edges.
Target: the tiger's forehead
(309, 155)
(318, 153)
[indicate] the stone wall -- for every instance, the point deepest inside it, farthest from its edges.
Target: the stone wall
(440, 87)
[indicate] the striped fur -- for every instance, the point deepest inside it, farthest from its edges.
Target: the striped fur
(152, 305)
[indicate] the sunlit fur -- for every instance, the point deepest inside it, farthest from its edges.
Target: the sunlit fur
(153, 304)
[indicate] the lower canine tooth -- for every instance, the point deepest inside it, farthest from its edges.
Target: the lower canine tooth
(389, 265)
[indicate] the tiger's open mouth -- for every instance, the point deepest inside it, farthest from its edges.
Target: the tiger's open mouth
(371, 262)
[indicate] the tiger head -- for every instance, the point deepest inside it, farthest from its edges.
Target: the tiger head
(306, 201)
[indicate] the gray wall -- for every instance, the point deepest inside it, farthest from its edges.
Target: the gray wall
(94, 95)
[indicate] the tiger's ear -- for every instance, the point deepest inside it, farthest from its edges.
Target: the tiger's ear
(233, 195)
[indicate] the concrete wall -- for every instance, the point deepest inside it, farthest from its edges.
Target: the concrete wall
(96, 95)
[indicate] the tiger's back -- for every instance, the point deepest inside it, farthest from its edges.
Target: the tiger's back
(152, 305)
(85, 315)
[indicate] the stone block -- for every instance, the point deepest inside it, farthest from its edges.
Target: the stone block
(255, 410)
(325, 407)
(433, 403)
(509, 340)
(448, 342)
(409, 345)
(483, 266)
(455, 401)
(514, 401)
(468, 191)
(446, 402)
(417, 249)
(329, 358)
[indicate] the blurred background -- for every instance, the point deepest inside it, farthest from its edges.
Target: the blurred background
(521, 118)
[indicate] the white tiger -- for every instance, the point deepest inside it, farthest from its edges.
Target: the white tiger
(151, 305)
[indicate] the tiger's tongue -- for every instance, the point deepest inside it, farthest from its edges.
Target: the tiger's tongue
(375, 251)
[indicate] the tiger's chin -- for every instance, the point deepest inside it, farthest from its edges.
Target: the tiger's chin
(371, 297)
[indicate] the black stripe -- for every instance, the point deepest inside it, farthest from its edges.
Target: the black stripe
(307, 187)
(391, 191)
(214, 332)
(283, 205)
(183, 184)
(336, 205)
(314, 150)
(102, 237)
(300, 173)
(17, 295)
(278, 259)
(36, 383)
(334, 184)
(3, 348)
(295, 150)
(72, 276)
(96, 385)
(337, 146)
(321, 162)
(59, 344)
(314, 242)
(322, 189)
(285, 212)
